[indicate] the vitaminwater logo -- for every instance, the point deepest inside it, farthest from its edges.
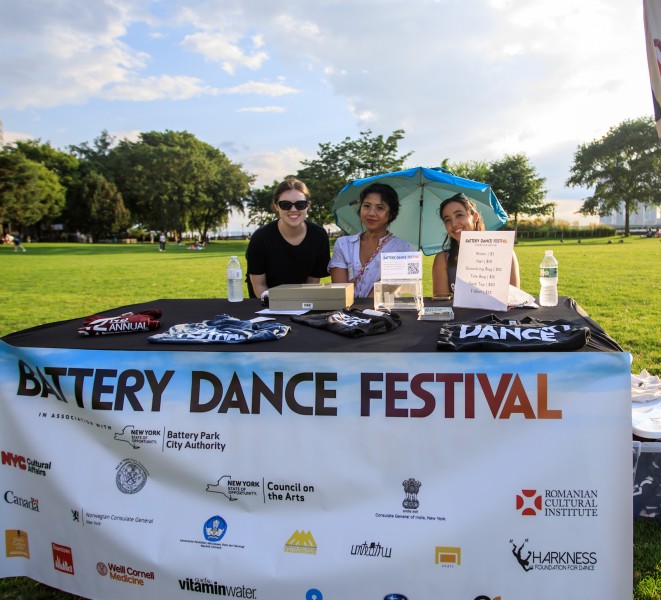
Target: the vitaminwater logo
(528, 502)
(206, 586)
(448, 556)
(62, 558)
(554, 559)
(301, 542)
(138, 437)
(30, 465)
(131, 476)
(16, 544)
(567, 503)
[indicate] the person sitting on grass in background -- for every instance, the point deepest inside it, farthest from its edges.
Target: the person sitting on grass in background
(18, 243)
(290, 249)
(357, 258)
(458, 214)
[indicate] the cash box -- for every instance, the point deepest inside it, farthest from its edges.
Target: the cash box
(311, 296)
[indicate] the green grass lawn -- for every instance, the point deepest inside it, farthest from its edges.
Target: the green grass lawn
(618, 284)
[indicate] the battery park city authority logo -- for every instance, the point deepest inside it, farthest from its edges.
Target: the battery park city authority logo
(131, 476)
(559, 503)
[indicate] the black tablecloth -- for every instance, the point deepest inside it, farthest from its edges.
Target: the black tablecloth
(412, 336)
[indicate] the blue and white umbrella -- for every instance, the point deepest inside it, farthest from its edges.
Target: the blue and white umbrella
(420, 192)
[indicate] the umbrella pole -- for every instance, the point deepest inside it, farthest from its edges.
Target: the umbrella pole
(422, 193)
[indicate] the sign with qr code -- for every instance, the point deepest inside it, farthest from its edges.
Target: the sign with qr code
(401, 265)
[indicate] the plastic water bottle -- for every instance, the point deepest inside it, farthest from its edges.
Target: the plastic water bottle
(548, 280)
(234, 280)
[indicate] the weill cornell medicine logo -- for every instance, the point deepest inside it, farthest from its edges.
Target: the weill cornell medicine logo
(131, 476)
(558, 503)
(214, 529)
(554, 559)
(62, 558)
(16, 544)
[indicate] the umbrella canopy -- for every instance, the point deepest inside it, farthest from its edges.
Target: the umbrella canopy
(420, 192)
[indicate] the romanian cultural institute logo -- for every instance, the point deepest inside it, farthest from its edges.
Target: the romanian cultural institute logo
(567, 503)
(131, 476)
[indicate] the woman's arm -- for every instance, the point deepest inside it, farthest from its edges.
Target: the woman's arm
(439, 275)
(258, 284)
(515, 277)
(339, 275)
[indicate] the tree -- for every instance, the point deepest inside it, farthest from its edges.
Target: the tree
(95, 205)
(623, 168)
(173, 181)
(520, 190)
(336, 165)
(259, 204)
(29, 191)
(476, 170)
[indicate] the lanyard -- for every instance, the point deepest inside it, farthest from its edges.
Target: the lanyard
(382, 243)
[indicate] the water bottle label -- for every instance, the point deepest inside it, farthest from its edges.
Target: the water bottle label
(548, 271)
(233, 273)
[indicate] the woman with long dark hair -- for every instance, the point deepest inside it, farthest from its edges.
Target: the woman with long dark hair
(458, 214)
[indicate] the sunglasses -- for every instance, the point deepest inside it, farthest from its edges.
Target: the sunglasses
(287, 205)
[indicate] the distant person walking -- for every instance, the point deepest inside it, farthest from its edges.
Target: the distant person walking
(161, 242)
(18, 243)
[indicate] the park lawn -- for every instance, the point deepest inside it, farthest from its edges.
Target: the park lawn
(618, 284)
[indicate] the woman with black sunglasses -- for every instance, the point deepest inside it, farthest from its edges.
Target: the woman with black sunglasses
(290, 249)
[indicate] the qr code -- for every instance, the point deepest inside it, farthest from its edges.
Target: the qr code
(414, 269)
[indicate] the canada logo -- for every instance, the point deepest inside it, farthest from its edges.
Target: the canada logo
(529, 502)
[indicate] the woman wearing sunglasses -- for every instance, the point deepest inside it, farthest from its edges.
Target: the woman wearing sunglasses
(290, 249)
(357, 258)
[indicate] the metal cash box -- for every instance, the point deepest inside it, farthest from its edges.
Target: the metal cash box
(311, 296)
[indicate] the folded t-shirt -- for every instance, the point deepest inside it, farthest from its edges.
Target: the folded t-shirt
(351, 323)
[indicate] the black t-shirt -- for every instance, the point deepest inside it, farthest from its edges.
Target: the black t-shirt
(269, 253)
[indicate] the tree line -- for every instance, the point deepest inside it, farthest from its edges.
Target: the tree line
(171, 181)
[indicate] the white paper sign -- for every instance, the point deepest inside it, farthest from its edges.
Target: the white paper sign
(401, 265)
(483, 269)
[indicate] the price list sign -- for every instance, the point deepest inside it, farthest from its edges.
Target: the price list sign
(483, 269)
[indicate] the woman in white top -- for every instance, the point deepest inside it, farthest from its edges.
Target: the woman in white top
(357, 258)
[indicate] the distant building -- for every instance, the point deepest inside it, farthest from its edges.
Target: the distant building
(645, 216)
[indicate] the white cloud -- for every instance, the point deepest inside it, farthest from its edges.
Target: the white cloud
(273, 166)
(262, 109)
(159, 88)
(216, 47)
(261, 88)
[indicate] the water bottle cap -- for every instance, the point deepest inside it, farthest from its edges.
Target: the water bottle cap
(548, 252)
(232, 256)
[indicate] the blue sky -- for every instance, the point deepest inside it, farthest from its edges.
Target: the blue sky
(267, 81)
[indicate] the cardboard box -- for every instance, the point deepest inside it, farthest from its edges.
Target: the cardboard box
(311, 296)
